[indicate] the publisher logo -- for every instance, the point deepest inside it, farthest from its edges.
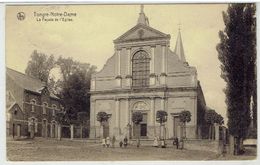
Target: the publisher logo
(21, 16)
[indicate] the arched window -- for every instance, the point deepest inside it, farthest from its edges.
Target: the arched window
(33, 103)
(54, 108)
(141, 69)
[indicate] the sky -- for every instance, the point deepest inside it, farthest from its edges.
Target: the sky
(89, 36)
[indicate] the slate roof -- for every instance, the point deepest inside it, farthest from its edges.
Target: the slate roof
(27, 82)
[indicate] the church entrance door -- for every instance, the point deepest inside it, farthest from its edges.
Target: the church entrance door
(141, 128)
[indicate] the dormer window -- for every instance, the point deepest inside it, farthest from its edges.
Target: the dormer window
(44, 108)
(33, 103)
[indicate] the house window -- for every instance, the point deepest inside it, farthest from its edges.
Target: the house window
(33, 103)
(54, 107)
(141, 69)
(44, 108)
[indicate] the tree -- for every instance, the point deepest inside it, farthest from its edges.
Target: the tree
(185, 117)
(219, 119)
(237, 54)
(137, 117)
(102, 117)
(74, 95)
(211, 117)
(40, 66)
(161, 117)
(75, 86)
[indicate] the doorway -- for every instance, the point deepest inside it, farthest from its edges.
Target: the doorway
(18, 130)
(44, 128)
(176, 126)
(141, 129)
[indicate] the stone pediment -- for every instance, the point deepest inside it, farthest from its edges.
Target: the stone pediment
(141, 33)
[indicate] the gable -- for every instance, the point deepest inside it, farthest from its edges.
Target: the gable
(44, 91)
(10, 100)
(141, 32)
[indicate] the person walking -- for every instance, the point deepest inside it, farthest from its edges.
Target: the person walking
(176, 142)
(125, 141)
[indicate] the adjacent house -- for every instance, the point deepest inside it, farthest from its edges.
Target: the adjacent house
(30, 106)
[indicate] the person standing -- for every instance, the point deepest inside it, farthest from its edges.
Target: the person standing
(125, 141)
(155, 142)
(108, 142)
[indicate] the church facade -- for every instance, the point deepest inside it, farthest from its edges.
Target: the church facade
(145, 75)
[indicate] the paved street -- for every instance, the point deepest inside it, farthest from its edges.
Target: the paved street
(51, 150)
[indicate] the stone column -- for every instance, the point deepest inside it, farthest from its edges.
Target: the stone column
(118, 62)
(118, 66)
(152, 117)
(129, 75)
(152, 112)
(152, 59)
(152, 74)
(163, 70)
(166, 58)
(127, 112)
(128, 61)
(71, 132)
(163, 59)
(117, 117)
(127, 119)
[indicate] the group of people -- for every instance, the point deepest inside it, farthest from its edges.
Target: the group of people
(156, 143)
(106, 142)
(176, 142)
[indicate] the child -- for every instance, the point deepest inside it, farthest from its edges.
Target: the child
(155, 142)
(104, 142)
(108, 142)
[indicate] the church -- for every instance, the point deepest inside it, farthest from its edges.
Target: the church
(145, 75)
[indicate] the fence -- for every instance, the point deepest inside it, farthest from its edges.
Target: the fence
(74, 131)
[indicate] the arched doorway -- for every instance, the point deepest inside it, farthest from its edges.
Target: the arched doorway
(53, 129)
(32, 126)
(141, 129)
